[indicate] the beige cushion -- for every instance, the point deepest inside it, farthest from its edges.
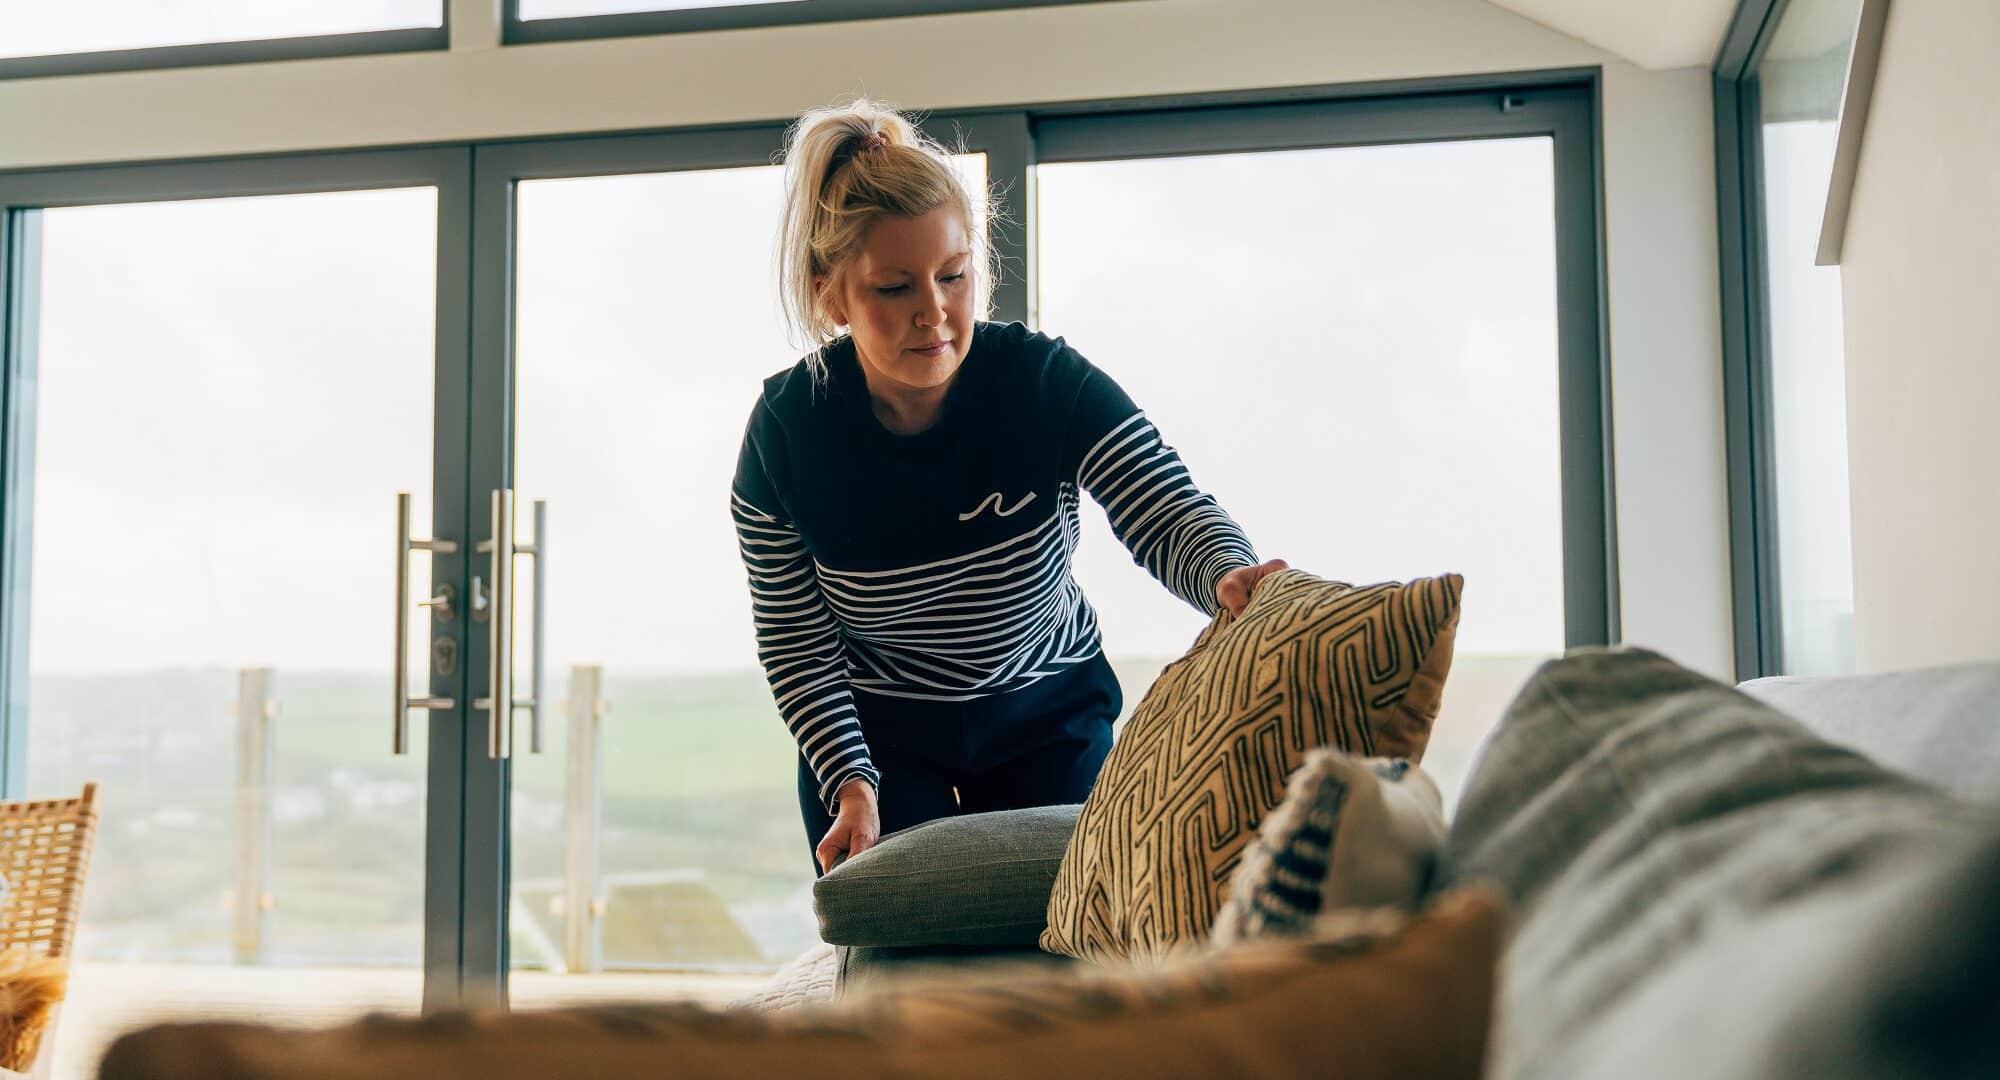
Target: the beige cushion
(1370, 996)
(1205, 757)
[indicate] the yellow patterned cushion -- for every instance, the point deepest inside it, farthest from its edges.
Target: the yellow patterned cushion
(1310, 663)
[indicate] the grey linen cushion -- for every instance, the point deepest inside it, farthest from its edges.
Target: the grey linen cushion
(1699, 879)
(974, 879)
(1939, 724)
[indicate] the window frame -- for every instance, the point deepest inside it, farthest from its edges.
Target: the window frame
(1756, 613)
(467, 893)
(514, 30)
(251, 51)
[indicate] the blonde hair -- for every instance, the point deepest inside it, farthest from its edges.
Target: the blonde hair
(848, 166)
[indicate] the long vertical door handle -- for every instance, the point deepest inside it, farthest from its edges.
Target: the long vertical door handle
(440, 599)
(541, 593)
(500, 628)
(539, 551)
(499, 699)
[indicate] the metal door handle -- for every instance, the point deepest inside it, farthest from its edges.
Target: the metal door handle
(502, 549)
(400, 737)
(539, 551)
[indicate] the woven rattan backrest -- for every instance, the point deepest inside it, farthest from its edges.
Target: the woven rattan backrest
(44, 854)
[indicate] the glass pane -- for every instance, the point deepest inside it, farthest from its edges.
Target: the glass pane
(45, 27)
(1799, 87)
(557, 9)
(563, 9)
(647, 321)
(229, 394)
(1355, 352)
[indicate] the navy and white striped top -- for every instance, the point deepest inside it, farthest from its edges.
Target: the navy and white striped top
(936, 566)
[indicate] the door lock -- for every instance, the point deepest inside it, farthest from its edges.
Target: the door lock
(444, 656)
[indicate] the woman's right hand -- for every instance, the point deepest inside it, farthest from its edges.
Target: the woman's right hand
(857, 827)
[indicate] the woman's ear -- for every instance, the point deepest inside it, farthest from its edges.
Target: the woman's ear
(829, 301)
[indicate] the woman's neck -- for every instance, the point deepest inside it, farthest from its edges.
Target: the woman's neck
(902, 410)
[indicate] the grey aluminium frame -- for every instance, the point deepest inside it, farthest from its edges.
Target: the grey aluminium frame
(359, 43)
(1746, 342)
(23, 198)
(736, 16)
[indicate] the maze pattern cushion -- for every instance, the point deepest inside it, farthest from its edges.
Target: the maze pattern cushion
(1360, 999)
(1206, 755)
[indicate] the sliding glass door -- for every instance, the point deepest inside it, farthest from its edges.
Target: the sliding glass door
(656, 846)
(213, 405)
(653, 845)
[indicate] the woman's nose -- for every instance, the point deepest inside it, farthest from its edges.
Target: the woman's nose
(932, 311)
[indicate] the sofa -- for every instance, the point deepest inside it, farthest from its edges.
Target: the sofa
(1790, 878)
(1794, 877)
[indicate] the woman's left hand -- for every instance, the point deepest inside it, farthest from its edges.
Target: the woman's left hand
(1233, 590)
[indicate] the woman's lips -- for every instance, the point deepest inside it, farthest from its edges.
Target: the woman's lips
(933, 349)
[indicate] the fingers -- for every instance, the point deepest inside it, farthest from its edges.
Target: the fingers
(1229, 595)
(1233, 591)
(865, 830)
(832, 846)
(852, 833)
(1259, 573)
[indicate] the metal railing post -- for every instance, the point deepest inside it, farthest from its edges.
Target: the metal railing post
(255, 708)
(583, 819)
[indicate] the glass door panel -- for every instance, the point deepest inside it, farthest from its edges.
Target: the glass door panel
(646, 321)
(40, 29)
(1355, 352)
(1799, 83)
(229, 392)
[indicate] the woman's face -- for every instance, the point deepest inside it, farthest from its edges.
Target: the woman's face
(907, 301)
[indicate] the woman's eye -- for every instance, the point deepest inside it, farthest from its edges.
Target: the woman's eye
(891, 290)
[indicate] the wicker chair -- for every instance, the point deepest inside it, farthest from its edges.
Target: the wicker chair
(44, 854)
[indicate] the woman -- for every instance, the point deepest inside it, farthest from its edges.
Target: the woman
(906, 505)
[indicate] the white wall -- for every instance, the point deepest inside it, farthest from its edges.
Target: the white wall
(1664, 328)
(1921, 278)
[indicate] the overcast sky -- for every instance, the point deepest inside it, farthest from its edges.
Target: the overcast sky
(37, 27)
(1354, 351)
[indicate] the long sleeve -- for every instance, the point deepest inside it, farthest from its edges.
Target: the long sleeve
(1173, 528)
(798, 641)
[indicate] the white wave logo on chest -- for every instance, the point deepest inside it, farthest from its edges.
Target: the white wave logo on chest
(994, 501)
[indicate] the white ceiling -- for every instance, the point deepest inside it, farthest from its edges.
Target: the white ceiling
(1650, 33)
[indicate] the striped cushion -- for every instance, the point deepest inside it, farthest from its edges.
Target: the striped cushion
(1204, 759)
(1351, 833)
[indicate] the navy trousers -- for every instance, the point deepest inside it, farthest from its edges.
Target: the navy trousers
(1040, 745)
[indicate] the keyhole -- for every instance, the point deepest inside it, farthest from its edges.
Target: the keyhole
(444, 656)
